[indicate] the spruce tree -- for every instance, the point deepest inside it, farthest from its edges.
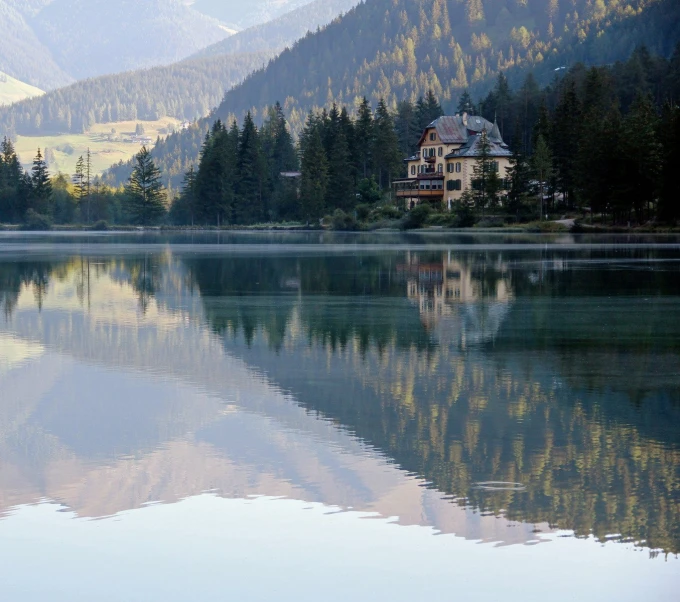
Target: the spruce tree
(642, 156)
(565, 140)
(542, 164)
(145, 194)
(79, 182)
(41, 186)
(386, 156)
(487, 183)
(669, 200)
(249, 204)
(519, 178)
(407, 132)
(340, 191)
(464, 103)
(314, 167)
(363, 128)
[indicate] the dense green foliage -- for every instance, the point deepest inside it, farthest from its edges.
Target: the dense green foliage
(35, 200)
(48, 44)
(604, 138)
(399, 49)
(186, 90)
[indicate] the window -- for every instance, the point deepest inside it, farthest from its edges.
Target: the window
(450, 185)
(458, 167)
(494, 166)
(440, 168)
(413, 170)
(449, 168)
(459, 184)
(440, 151)
(433, 136)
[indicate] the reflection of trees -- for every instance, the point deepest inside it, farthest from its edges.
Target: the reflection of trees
(16, 275)
(524, 408)
(338, 299)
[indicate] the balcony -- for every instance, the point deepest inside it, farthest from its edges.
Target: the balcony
(424, 186)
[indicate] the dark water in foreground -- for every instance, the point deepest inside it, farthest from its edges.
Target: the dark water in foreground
(295, 417)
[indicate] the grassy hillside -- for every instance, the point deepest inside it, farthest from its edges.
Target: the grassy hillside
(13, 90)
(109, 143)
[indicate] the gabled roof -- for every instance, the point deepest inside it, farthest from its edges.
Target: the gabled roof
(471, 148)
(456, 129)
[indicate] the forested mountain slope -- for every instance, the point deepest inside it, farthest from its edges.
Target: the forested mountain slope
(283, 31)
(50, 43)
(398, 49)
(186, 90)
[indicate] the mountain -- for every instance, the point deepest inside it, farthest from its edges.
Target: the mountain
(398, 49)
(50, 43)
(13, 90)
(186, 90)
(23, 55)
(283, 31)
(242, 15)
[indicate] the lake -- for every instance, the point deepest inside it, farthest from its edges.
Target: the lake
(318, 416)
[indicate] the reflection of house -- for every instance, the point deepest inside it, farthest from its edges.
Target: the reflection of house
(458, 302)
(443, 168)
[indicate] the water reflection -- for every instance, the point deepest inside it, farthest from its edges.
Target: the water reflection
(538, 386)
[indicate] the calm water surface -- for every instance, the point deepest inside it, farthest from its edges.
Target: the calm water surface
(317, 417)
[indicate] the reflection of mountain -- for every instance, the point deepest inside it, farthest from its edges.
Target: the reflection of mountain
(142, 403)
(340, 335)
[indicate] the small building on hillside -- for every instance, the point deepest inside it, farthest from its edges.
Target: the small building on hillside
(443, 168)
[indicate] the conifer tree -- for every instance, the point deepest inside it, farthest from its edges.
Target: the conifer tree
(486, 181)
(314, 166)
(250, 176)
(519, 177)
(405, 124)
(41, 186)
(145, 194)
(542, 164)
(564, 140)
(669, 200)
(340, 191)
(363, 128)
(642, 154)
(386, 156)
(464, 103)
(79, 181)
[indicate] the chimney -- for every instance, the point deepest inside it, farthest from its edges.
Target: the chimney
(465, 116)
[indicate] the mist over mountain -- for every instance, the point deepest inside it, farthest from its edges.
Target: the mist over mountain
(283, 31)
(246, 14)
(50, 43)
